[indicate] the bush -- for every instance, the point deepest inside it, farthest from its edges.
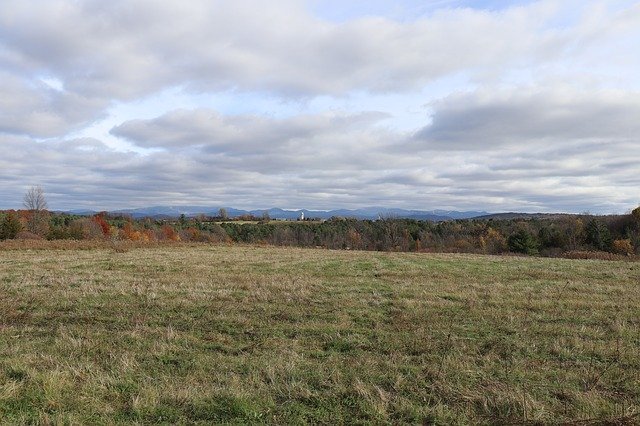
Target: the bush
(218, 234)
(592, 255)
(26, 235)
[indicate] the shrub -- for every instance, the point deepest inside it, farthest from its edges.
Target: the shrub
(218, 234)
(26, 235)
(592, 255)
(193, 234)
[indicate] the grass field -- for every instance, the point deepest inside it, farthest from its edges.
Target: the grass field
(188, 334)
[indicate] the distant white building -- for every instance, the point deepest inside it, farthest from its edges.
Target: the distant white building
(301, 216)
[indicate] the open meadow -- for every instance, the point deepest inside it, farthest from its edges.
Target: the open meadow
(242, 334)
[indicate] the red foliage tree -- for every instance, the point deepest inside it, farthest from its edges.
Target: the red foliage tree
(104, 226)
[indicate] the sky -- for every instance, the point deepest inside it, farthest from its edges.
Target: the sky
(529, 106)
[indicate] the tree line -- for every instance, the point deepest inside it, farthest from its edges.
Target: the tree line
(537, 236)
(547, 236)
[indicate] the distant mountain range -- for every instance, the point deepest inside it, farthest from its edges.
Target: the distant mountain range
(514, 215)
(276, 213)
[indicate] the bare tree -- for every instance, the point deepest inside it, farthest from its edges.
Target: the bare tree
(34, 199)
(36, 203)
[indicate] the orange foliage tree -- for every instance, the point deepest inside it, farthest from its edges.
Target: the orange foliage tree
(129, 233)
(169, 233)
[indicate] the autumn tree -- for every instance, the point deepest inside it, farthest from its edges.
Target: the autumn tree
(102, 223)
(493, 242)
(354, 239)
(623, 246)
(36, 204)
(573, 231)
(169, 233)
(85, 229)
(128, 232)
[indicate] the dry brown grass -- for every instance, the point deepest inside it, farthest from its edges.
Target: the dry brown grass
(599, 255)
(116, 245)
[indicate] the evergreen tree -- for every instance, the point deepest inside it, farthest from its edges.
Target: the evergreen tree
(10, 226)
(598, 235)
(523, 242)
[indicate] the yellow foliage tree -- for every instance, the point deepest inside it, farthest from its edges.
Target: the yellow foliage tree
(623, 247)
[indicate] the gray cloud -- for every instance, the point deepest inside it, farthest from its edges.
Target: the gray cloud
(269, 145)
(494, 119)
(238, 134)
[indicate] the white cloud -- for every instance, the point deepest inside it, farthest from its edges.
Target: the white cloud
(124, 49)
(35, 108)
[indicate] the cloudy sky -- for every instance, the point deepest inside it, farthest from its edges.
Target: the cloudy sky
(425, 104)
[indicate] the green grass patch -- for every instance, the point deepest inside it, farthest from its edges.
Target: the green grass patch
(246, 335)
